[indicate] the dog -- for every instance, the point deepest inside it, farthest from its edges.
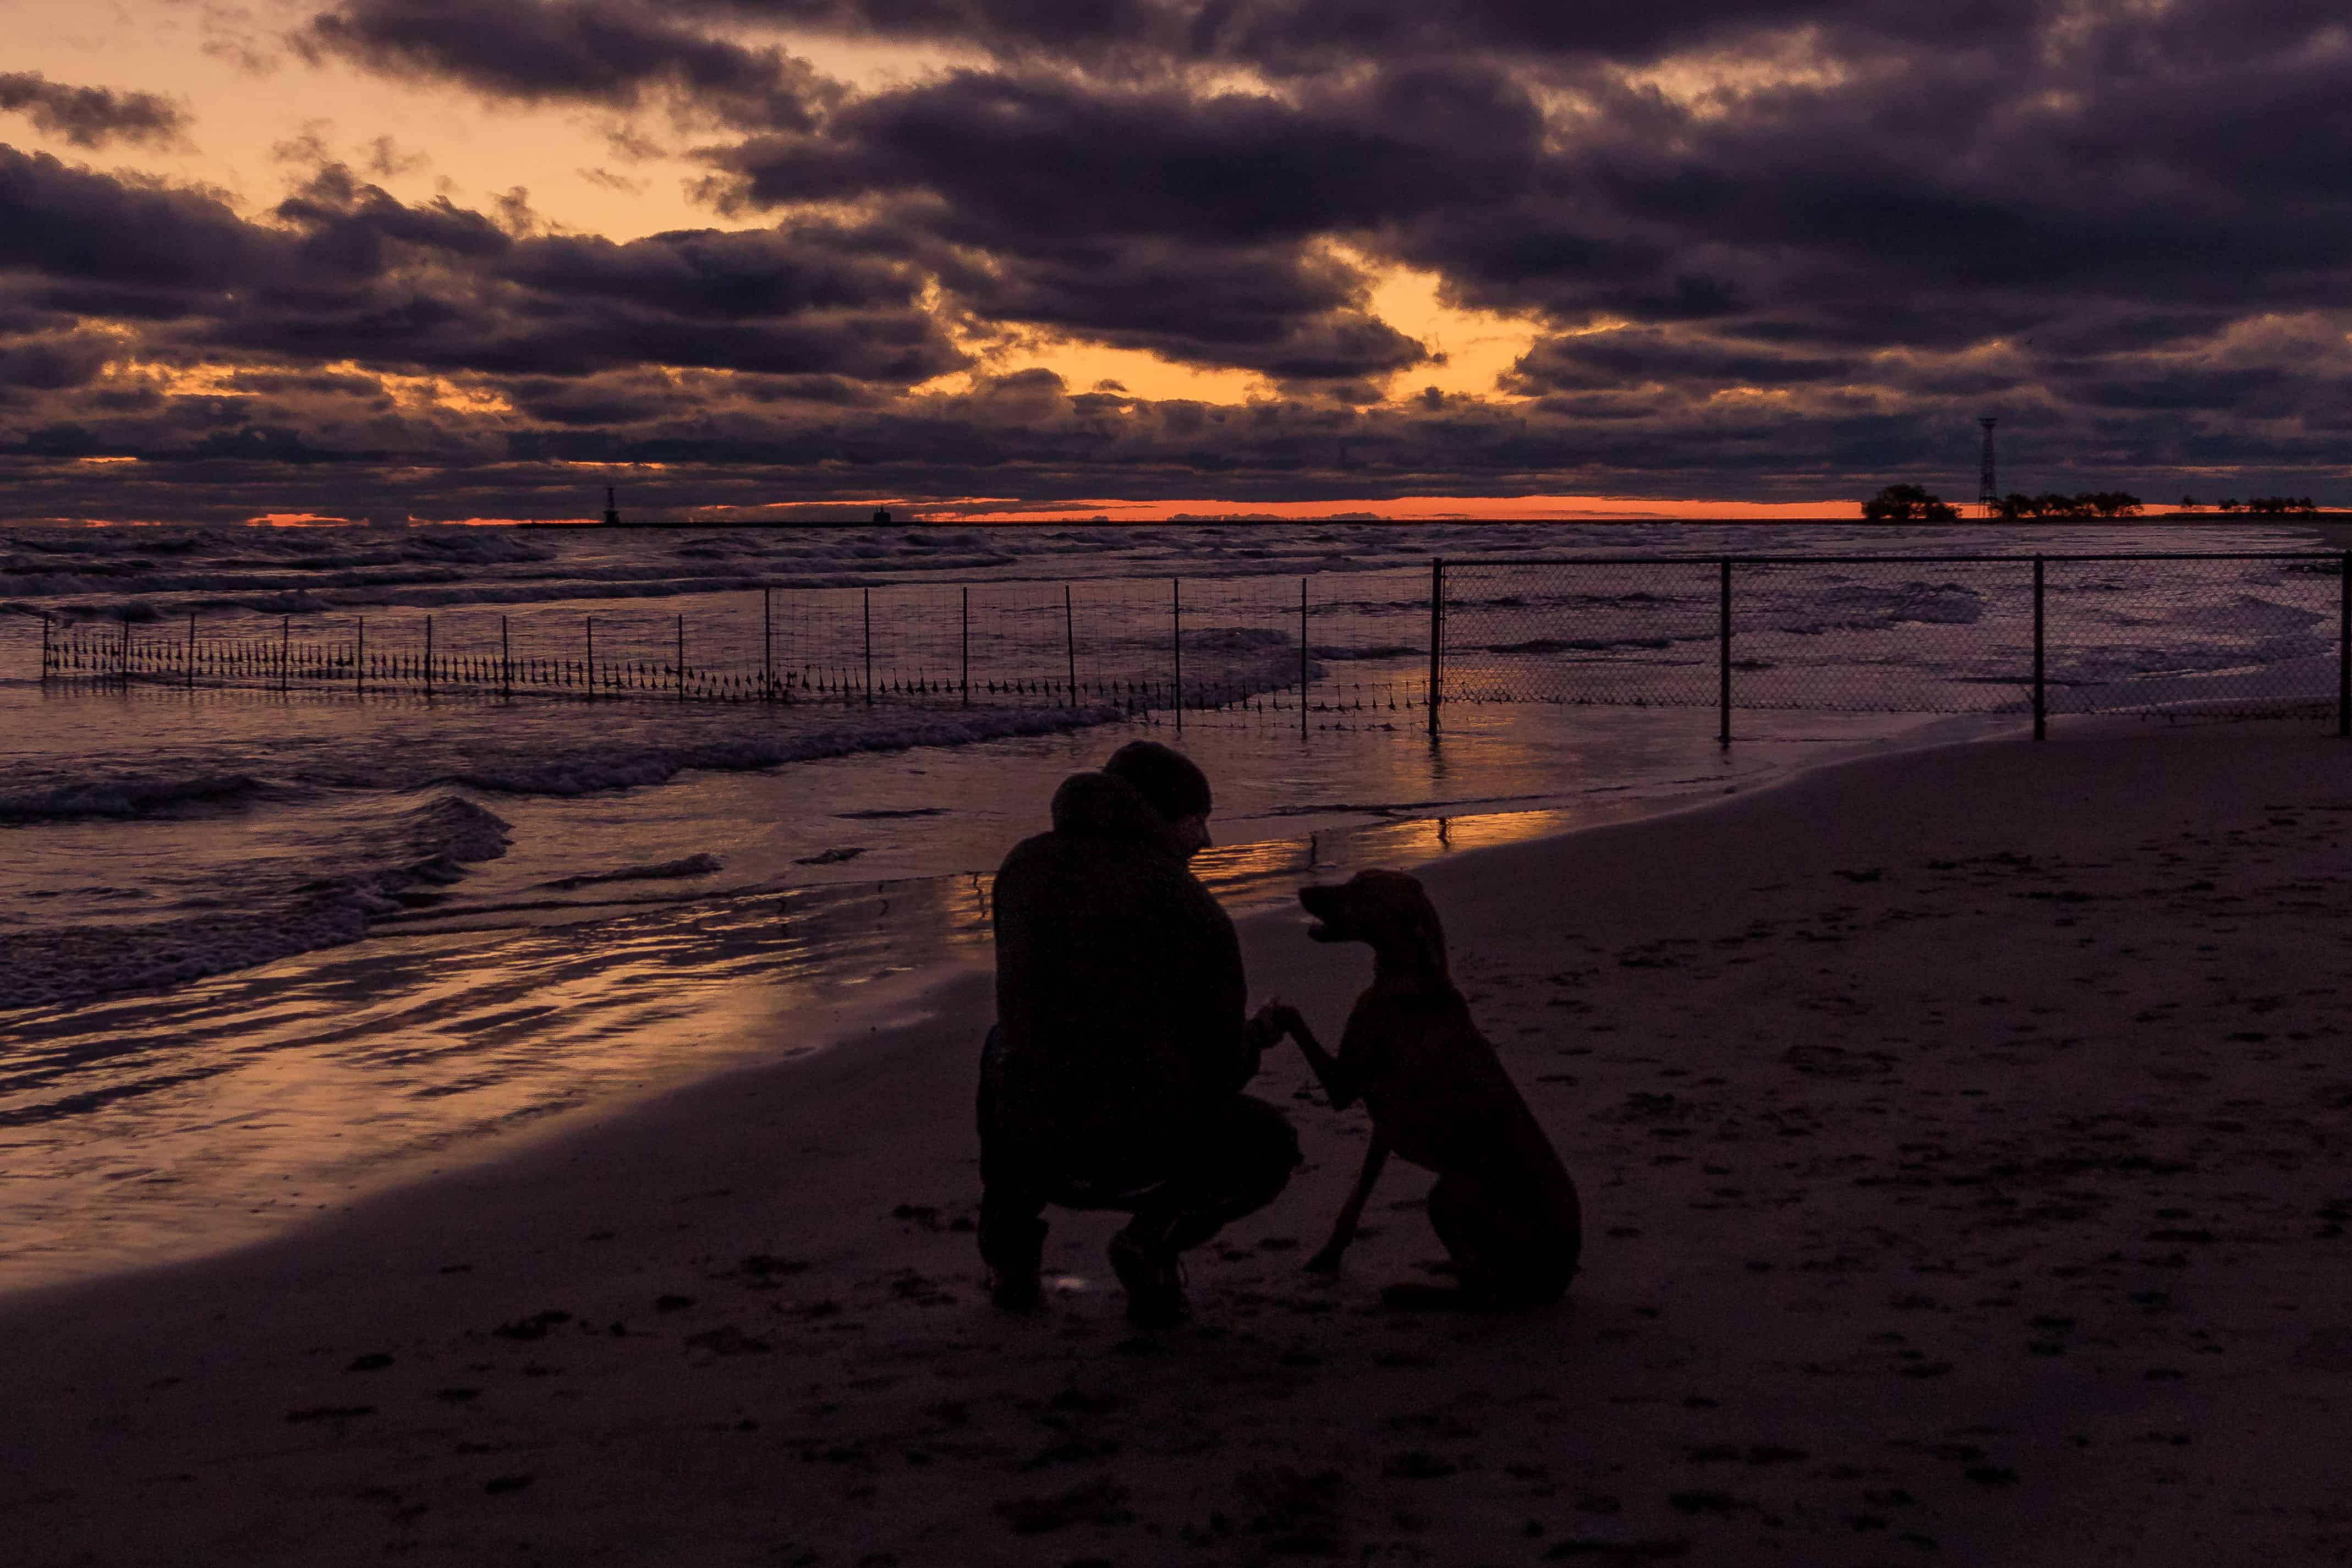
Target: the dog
(1504, 1205)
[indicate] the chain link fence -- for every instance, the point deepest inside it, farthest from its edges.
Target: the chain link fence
(2181, 636)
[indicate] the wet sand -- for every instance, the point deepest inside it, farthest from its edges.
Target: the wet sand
(1963, 1143)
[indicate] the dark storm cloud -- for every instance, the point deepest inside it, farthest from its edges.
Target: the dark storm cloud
(81, 230)
(1286, 312)
(1147, 218)
(92, 116)
(1013, 156)
(597, 51)
(1635, 356)
(1285, 36)
(51, 363)
(342, 271)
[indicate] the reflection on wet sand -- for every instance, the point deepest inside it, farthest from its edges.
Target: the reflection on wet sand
(1248, 876)
(155, 1127)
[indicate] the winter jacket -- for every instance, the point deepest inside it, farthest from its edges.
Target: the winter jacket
(1119, 990)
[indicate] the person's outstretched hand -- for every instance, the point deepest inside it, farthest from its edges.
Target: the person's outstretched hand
(1272, 1022)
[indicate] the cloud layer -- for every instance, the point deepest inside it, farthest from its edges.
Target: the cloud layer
(1763, 250)
(92, 116)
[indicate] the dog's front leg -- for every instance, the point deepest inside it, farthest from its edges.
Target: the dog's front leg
(1337, 1081)
(1344, 1230)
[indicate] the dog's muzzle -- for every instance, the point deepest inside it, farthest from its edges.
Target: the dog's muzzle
(1310, 897)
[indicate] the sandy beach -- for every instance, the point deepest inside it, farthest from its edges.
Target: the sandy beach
(1962, 1138)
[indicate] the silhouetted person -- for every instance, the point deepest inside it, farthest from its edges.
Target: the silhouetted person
(1113, 1077)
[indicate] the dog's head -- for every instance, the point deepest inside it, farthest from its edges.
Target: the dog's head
(1385, 908)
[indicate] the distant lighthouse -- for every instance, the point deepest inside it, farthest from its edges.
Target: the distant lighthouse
(612, 509)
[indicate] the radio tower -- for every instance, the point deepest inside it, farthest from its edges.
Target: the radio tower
(1988, 488)
(613, 508)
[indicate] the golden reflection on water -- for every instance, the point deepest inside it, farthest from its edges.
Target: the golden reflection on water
(1261, 875)
(149, 1128)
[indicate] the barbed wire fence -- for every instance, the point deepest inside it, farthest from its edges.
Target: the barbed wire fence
(2181, 636)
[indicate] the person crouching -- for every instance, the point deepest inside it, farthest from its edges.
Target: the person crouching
(1113, 1077)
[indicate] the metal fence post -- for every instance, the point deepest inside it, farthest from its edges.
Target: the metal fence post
(428, 656)
(123, 659)
(1436, 637)
(1070, 642)
(767, 644)
(1176, 643)
(966, 678)
(2344, 648)
(192, 650)
(45, 650)
(1723, 655)
(868, 593)
(285, 641)
(359, 660)
(681, 657)
(506, 663)
(1302, 656)
(588, 673)
(2040, 707)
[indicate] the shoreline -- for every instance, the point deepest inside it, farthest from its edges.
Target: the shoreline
(181, 1182)
(1960, 1134)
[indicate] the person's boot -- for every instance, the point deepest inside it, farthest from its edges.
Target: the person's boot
(1153, 1278)
(1012, 1247)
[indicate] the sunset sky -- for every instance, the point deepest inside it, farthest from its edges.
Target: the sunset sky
(451, 258)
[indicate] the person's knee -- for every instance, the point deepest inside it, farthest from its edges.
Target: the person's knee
(1265, 1147)
(1264, 1134)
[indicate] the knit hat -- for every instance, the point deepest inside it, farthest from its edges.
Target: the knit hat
(1162, 775)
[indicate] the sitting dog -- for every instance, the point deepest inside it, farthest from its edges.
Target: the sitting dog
(1504, 1205)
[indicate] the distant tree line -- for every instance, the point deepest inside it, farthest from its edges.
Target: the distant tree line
(1910, 503)
(2088, 503)
(2271, 506)
(1907, 503)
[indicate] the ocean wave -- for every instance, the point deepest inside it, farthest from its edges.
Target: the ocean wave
(2123, 663)
(125, 794)
(94, 573)
(418, 851)
(631, 767)
(1370, 651)
(1857, 607)
(690, 865)
(1578, 645)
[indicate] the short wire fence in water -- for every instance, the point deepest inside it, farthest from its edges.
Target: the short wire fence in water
(2178, 635)
(1330, 644)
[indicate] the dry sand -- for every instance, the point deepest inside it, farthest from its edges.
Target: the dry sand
(1962, 1139)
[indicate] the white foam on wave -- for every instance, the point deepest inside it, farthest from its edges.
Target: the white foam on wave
(421, 848)
(1861, 607)
(624, 767)
(668, 871)
(384, 863)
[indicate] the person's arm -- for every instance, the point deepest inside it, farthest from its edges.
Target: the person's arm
(1223, 1045)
